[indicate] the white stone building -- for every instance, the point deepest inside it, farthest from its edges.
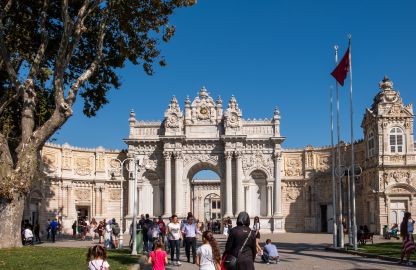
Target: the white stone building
(289, 189)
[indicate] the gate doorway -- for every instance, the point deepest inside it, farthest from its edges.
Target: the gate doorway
(83, 212)
(324, 218)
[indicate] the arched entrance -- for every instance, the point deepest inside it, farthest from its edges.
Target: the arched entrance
(204, 189)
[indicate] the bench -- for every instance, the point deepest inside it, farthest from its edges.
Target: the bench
(366, 237)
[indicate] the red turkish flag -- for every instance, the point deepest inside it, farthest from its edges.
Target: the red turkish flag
(340, 72)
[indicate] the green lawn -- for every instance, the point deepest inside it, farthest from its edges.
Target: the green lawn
(45, 258)
(386, 249)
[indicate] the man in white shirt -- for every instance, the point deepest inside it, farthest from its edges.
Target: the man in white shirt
(190, 230)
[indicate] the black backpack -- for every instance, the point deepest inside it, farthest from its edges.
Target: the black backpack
(116, 229)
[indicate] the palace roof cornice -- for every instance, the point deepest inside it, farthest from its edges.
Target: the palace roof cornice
(83, 149)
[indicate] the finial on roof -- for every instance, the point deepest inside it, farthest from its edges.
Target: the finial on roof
(386, 84)
(203, 93)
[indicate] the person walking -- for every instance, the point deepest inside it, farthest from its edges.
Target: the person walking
(174, 236)
(100, 231)
(241, 243)
(155, 232)
(48, 228)
(208, 256)
(190, 230)
(115, 231)
(74, 229)
(406, 231)
(158, 258)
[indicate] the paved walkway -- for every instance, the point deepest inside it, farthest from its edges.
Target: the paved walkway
(297, 251)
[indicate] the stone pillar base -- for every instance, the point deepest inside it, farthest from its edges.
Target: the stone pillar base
(278, 224)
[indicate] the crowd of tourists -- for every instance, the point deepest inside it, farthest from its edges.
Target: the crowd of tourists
(162, 242)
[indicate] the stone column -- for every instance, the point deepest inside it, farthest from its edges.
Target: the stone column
(277, 185)
(239, 183)
(168, 185)
(179, 194)
(269, 200)
(228, 185)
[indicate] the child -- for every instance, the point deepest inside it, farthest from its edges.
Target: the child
(208, 255)
(97, 258)
(158, 258)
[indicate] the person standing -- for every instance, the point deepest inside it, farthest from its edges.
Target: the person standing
(147, 236)
(406, 231)
(54, 227)
(93, 226)
(241, 243)
(162, 228)
(155, 232)
(208, 256)
(74, 229)
(175, 236)
(107, 235)
(115, 230)
(190, 230)
(48, 228)
(256, 225)
(100, 231)
(36, 231)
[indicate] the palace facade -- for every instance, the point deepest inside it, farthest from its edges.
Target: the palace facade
(289, 189)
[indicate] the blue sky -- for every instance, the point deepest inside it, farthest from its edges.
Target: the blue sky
(267, 54)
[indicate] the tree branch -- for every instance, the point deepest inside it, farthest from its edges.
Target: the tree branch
(43, 44)
(72, 94)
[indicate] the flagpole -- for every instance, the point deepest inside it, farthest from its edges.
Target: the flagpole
(340, 226)
(354, 222)
(334, 208)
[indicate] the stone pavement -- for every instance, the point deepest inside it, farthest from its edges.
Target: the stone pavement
(297, 251)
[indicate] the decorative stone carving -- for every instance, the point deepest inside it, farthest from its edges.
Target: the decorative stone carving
(115, 194)
(397, 176)
(203, 108)
(83, 166)
(66, 158)
(258, 161)
(49, 161)
(292, 193)
(233, 121)
(293, 166)
(115, 167)
(173, 118)
(83, 194)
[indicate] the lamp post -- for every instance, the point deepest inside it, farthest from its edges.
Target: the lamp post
(122, 195)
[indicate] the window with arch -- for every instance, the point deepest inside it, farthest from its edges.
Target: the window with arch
(371, 144)
(396, 140)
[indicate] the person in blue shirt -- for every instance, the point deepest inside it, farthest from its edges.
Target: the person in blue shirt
(54, 228)
(269, 252)
(190, 230)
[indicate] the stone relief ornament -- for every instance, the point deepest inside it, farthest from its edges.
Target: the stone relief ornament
(292, 193)
(115, 167)
(258, 161)
(398, 176)
(233, 116)
(203, 108)
(115, 194)
(173, 115)
(293, 166)
(82, 194)
(49, 162)
(83, 166)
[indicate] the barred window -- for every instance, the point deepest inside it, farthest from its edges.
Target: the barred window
(396, 140)
(371, 144)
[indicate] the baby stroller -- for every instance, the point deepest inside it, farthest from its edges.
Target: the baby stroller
(27, 237)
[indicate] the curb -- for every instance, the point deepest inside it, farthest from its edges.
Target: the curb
(364, 254)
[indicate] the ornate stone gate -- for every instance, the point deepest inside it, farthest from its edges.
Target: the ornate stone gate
(246, 154)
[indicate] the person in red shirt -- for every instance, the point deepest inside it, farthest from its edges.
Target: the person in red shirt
(158, 258)
(162, 228)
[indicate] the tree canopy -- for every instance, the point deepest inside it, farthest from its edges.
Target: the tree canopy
(52, 51)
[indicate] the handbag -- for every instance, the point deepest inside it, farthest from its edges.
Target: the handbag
(230, 261)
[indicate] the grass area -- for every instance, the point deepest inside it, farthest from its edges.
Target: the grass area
(45, 258)
(386, 249)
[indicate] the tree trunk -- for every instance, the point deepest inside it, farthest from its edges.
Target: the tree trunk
(11, 213)
(15, 184)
